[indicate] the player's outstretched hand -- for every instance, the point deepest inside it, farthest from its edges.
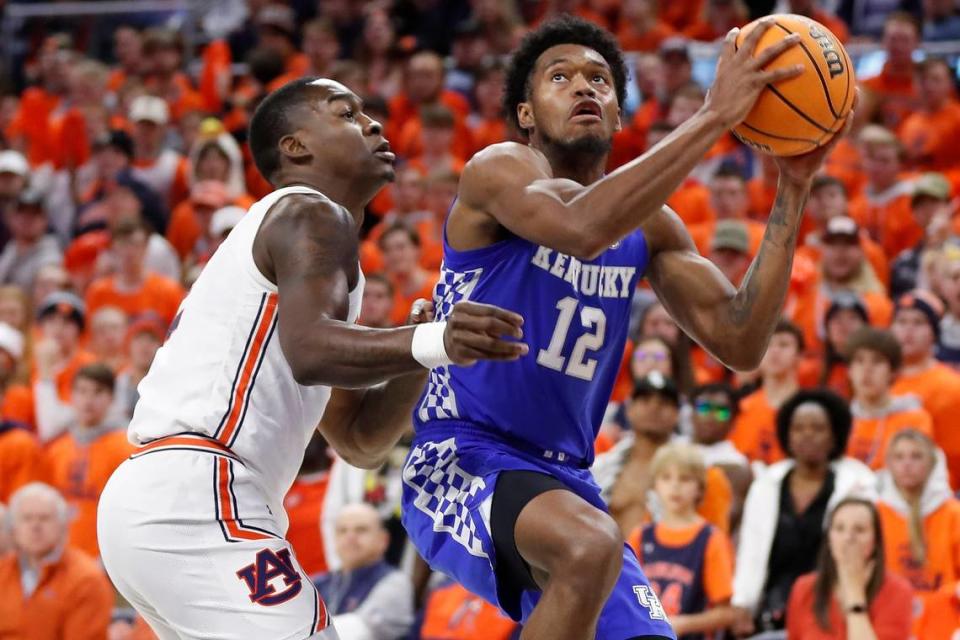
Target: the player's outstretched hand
(740, 77)
(421, 312)
(483, 332)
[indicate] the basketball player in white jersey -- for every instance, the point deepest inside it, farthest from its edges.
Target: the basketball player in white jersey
(191, 527)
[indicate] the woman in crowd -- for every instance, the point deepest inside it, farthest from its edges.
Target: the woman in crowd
(850, 596)
(783, 516)
(920, 516)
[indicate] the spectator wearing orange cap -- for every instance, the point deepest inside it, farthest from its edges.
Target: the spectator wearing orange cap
(143, 339)
(641, 28)
(878, 415)
(30, 246)
(890, 96)
(930, 199)
(755, 429)
(190, 220)
(916, 324)
(157, 165)
(134, 288)
(401, 259)
(51, 591)
(84, 458)
(929, 135)
(377, 308)
(57, 358)
(108, 329)
(883, 208)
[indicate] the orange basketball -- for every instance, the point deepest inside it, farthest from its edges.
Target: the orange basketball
(798, 115)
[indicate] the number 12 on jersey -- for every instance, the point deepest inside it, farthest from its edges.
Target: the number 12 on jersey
(594, 323)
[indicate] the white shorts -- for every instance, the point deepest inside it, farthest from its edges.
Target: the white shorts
(189, 539)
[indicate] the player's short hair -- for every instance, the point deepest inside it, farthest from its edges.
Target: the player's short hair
(272, 121)
(681, 455)
(876, 340)
(785, 326)
(838, 415)
(561, 30)
(399, 227)
(99, 374)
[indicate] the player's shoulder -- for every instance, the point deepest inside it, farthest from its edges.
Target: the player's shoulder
(299, 213)
(502, 156)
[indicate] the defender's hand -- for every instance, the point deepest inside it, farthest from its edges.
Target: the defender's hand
(479, 332)
(421, 312)
(802, 168)
(740, 77)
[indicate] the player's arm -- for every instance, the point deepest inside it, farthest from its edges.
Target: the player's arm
(734, 324)
(511, 185)
(308, 247)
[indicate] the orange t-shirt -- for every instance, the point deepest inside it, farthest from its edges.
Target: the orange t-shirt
(80, 472)
(627, 144)
(762, 196)
(870, 437)
(21, 460)
(680, 14)
(18, 406)
(931, 138)
(717, 499)
(754, 431)
(402, 303)
(669, 579)
(453, 613)
(939, 389)
(939, 617)
(73, 599)
(409, 144)
(896, 94)
(623, 385)
(158, 294)
(632, 40)
(64, 379)
(184, 229)
(810, 311)
(402, 109)
(890, 612)
(487, 132)
(845, 164)
(691, 201)
(304, 504)
(31, 122)
(941, 531)
(890, 222)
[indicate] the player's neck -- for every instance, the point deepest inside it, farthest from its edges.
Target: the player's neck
(571, 163)
(348, 196)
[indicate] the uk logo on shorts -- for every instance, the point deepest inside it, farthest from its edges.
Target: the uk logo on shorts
(649, 601)
(260, 576)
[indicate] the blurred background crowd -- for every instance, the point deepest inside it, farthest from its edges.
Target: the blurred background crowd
(826, 476)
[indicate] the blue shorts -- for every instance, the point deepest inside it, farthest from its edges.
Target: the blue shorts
(448, 483)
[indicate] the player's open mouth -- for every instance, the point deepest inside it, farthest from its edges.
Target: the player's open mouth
(586, 111)
(383, 152)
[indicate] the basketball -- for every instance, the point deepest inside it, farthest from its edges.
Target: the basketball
(802, 113)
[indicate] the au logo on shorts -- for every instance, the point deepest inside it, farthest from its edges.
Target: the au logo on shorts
(649, 601)
(260, 575)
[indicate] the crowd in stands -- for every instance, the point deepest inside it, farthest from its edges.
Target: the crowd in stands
(815, 495)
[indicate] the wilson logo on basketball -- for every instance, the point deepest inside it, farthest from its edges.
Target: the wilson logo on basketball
(830, 54)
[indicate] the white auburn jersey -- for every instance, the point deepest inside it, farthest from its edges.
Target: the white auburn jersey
(221, 372)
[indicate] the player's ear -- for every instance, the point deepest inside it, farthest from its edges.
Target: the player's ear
(292, 147)
(618, 125)
(525, 115)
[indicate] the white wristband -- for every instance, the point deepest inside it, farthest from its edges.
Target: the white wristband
(427, 346)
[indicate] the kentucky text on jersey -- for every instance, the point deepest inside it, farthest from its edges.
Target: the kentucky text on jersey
(589, 279)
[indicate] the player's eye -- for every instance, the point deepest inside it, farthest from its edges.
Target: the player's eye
(558, 76)
(599, 78)
(349, 115)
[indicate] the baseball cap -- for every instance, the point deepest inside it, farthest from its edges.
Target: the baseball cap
(731, 235)
(210, 193)
(30, 198)
(149, 109)
(675, 45)
(932, 185)
(64, 303)
(925, 302)
(841, 227)
(658, 384)
(846, 301)
(13, 162)
(225, 219)
(11, 340)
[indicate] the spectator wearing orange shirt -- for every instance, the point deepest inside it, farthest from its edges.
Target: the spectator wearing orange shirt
(376, 310)
(688, 561)
(144, 337)
(623, 472)
(728, 201)
(163, 50)
(108, 330)
(401, 258)
(641, 28)
(21, 460)
(929, 135)
(930, 200)
(51, 591)
(435, 147)
(304, 506)
(134, 289)
(851, 595)
(187, 231)
(845, 315)
(128, 52)
(83, 459)
(423, 85)
(875, 358)
(883, 208)
(889, 97)
(408, 192)
(755, 429)
(915, 326)
(57, 358)
(453, 613)
(487, 124)
(633, 137)
(920, 516)
(156, 164)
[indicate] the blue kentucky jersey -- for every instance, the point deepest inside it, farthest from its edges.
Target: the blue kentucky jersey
(576, 314)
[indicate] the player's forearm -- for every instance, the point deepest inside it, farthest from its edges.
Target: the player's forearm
(384, 417)
(338, 354)
(613, 207)
(752, 313)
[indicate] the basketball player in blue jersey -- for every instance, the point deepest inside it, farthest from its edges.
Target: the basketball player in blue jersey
(497, 488)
